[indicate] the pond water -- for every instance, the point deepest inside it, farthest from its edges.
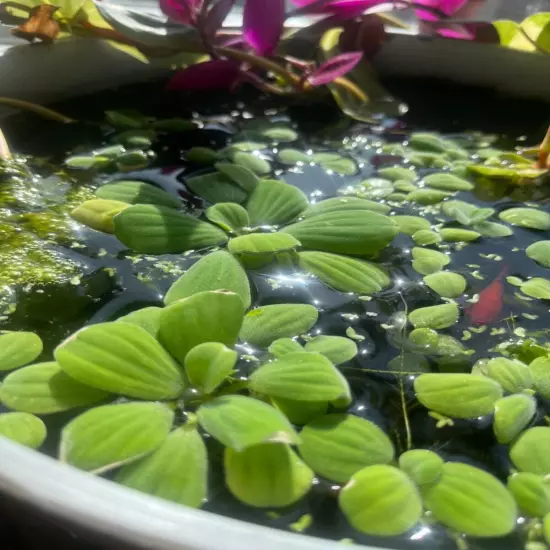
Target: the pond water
(58, 275)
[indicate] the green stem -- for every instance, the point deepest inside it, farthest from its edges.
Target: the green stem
(405, 414)
(38, 109)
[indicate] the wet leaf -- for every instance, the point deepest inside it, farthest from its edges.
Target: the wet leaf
(394, 173)
(275, 203)
(202, 155)
(302, 376)
(531, 452)
(446, 284)
(455, 235)
(426, 237)
(512, 416)
(540, 252)
(153, 229)
(254, 163)
(87, 162)
(513, 375)
(447, 182)
(492, 229)
(422, 466)
(280, 133)
(448, 346)
(242, 176)
(210, 316)
(337, 446)
(208, 365)
(175, 471)
(345, 232)
(293, 157)
(282, 346)
(459, 210)
(457, 395)
(228, 215)
(258, 249)
(537, 287)
(264, 325)
(137, 192)
(98, 214)
(23, 428)
(527, 217)
(471, 501)
(338, 204)
(408, 363)
(505, 172)
(342, 165)
(120, 358)
(428, 196)
(435, 317)
(147, 318)
(215, 271)
(531, 492)
(481, 214)
(267, 476)
(381, 500)
(426, 261)
(425, 339)
(216, 187)
(44, 388)
(411, 224)
(18, 349)
(240, 422)
(336, 349)
(345, 274)
(375, 188)
(424, 141)
(540, 373)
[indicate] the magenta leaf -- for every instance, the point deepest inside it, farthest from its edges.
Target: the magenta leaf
(263, 24)
(216, 16)
(184, 11)
(211, 75)
(341, 8)
(447, 7)
(335, 67)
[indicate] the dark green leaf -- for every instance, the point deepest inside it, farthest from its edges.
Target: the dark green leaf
(216, 187)
(137, 192)
(243, 177)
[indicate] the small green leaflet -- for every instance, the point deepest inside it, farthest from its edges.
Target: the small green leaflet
(531, 493)
(422, 466)
(434, 317)
(23, 428)
(136, 192)
(531, 452)
(446, 283)
(512, 415)
(216, 187)
(426, 261)
(527, 217)
(18, 349)
(282, 346)
(336, 349)
(537, 287)
(208, 365)
(147, 318)
(540, 252)
(229, 216)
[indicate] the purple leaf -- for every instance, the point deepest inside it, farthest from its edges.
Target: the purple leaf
(211, 75)
(185, 11)
(342, 8)
(334, 68)
(448, 7)
(263, 24)
(216, 16)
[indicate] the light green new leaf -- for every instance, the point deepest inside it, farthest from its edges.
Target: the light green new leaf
(537, 287)
(137, 192)
(228, 215)
(211, 316)
(492, 229)
(381, 500)
(411, 224)
(513, 375)
(208, 365)
(215, 271)
(426, 261)
(216, 187)
(337, 204)
(254, 163)
(282, 346)
(337, 446)
(427, 196)
(434, 317)
(107, 437)
(99, 214)
(44, 388)
(344, 273)
(301, 376)
(531, 492)
(120, 358)
(422, 466)
(280, 133)
(446, 284)
(292, 157)
(395, 173)
(471, 501)
(426, 237)
(243, 177)
(512, 416)
(540, 373)
(147, 318)
(267, 476)
(159, 230)
(18, 349)
(455, 235)
(264, 325)
(240, 422)
(23, 428)
(527, 217)
(336, 349)
(176, 471)
(531, 452)
(540, 252)
(259, 249)
(457, 395)
(447, 182)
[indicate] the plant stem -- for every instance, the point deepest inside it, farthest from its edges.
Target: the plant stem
(5, 153)
(352, 88)
(405, 414)
(38, 109)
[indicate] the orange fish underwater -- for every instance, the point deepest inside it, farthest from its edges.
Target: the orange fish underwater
(489, 304)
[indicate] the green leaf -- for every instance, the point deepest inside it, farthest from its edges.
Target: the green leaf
(120, 358)
(513, 375)
(426, 261)
(457, 395)
(540, 252)
(481, 214)
(147, 318)
(459, 210)
(446, 284)
(153, 229)
(428, 196)
(282, 346)
(336, 349)
(23, 428)
(411, 224)
(98, 214)
(337, 446)
(280, 133)
(394, 173)
(136, 192)
(264, 325)
(300, 412)
(259, 249)
(275, 203)
(510, 173)
(424, 141)
(87, 162)
(228, 215)
(345, 232)
(455, 235)
(531, 492)
(211, 316)
(436, 317)
(208, 365)
(254, 163)
(449, 346)
(106, 437)
(492, 229)
(302, 376)
(471, 501)
(267, 476)
(136, 138)
(240, 422)
(540, 373)
(44, 388)
(537, 287)
(424, 340)
(512, 416)
(341, 165)
(422, 466)
(447, 182)
(344, 273)
(403, 186)
(381, 500)
(375, 188)
(527, 217)
(243, 177)
(293, 157)
(531, 452)
(426, 237)
(131, 160)
(337, 204)
(18, 349)
(176, 471)
(216, 271)
(216, 187)
(507, 30)
(202, 155)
